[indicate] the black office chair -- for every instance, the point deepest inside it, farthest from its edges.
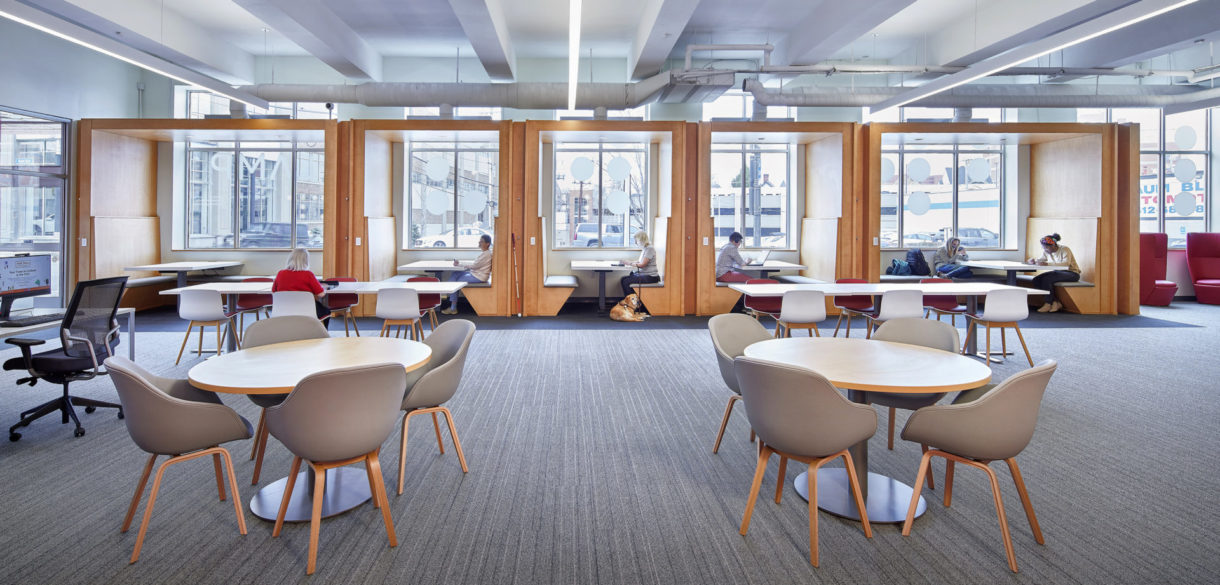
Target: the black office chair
(89, 334)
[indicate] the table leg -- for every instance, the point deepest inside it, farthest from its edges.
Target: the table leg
(765, 273)
(181, 278)
(972, 328)
(131, 336)
(886, 498)
(438, 274)
(601, 292)
(231, 342)
(346, 488)
(1011, 278)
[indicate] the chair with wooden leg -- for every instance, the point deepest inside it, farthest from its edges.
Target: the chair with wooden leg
(341, 304)
(895, 304)
(913, 331)
(801, 309)
(994, 427)
(333, 419)
(799, 415)
(942, 304)
(428, 303)
(252, 303)
(436, 386)
(275, 330)
(170, 417)
(851, 305)
(293, 302)
(758, 306)
(205, 309)
(731, 333)
(399, 307)
(1003, 309)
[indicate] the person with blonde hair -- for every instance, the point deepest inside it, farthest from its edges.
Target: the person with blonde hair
(645, 267)
(1054, 254)
(296, 275)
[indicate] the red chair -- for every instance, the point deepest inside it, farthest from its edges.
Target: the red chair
(428, 304)
(859, 305)
(1203, 260)
(251, 303)
(763, 305)
(942, 304)
(341, 305)
(1154, 289)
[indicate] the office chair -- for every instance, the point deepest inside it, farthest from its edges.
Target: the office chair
(88, 335)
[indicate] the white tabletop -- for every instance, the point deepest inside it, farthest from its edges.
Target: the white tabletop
(872, 365)
(1004, 265)
(773, 265)
(183, 266)
(359, 288)
(432, 265)
(277, 368)
(873, 288)
(601, 265)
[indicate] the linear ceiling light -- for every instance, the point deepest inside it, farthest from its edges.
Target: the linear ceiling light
(573, 50)
(89, 39)
(1101, 25)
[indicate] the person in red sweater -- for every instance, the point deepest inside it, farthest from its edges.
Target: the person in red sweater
(296, 275)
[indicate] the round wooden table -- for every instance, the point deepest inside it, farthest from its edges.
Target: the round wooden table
(861, 366)
(276, 369)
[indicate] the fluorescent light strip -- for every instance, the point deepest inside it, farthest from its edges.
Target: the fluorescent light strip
(573, 50)
(1034, 50)
(224, 90)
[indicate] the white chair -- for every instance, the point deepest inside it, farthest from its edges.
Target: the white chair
(399, 307)
(293, 302)
(202, 308)
(896, 304)
(801, 309)
(1002, 308)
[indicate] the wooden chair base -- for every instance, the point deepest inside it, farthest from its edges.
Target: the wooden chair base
(376, 486)
(952, 314)
(724, 422)
(950, 459)
(261, 434)
(346, 314)
(1002, 325)
(848, 313)
(787, 328)
(217, 453)
(764, 455)
(457, 443)
(413, 325)
(219, 337)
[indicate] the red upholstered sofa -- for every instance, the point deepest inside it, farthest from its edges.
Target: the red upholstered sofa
(1154, 289)
(1203, 260)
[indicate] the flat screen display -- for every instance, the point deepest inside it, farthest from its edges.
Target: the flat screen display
(25, 275)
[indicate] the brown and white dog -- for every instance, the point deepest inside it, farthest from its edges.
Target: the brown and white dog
(626, 309)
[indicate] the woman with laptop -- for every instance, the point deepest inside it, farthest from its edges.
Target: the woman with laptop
(645, 266)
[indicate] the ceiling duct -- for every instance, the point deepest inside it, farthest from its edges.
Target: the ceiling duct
(525, 96)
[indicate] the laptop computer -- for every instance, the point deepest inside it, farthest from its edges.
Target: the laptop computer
(760, 259)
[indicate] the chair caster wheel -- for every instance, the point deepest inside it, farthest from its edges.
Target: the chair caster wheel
(121, 417)
(90, 409)
(14, 437)
(78, 433)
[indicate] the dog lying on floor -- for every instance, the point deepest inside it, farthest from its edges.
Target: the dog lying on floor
(626, 309)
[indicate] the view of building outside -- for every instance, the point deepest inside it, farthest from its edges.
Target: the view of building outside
(601, 194)
(33, 177)
(453, 193)
(751, 194)
(946, 191)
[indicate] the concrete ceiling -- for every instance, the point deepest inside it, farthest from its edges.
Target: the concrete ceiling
(225, 39)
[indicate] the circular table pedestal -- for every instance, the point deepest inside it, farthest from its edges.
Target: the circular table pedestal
(346, 488)
(887, 503)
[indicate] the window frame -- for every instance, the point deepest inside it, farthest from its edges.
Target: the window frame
(788, 208)
(956, 152)
(408, 242)
(645, 180)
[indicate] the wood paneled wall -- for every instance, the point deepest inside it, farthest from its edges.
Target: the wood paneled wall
(116, 186)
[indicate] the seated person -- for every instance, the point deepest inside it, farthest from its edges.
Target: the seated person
(479, 271)
(729, 261)
(646, 265)
(1054, 255)
(946, 262)
(296, 275)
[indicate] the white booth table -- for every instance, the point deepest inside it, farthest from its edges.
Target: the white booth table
(276, 369)
(436, 267)
(181, 268)
(1009, 267)
(766, 268)
(601, 267)
(861, 366)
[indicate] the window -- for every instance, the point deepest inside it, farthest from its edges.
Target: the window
(462, 112)
(453, 194)
(32, 183)
(944, 190)
(201, 104)
(740, 105)
(269, 194)
(751, 194)
(600, 194)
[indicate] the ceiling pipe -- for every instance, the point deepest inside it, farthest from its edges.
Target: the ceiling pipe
(525, 96)
(766, 49)
(992, 96)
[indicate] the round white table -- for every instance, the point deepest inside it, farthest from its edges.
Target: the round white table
(276, 369)
(861, 366)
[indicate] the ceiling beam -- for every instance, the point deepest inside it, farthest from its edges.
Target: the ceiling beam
(485, 28)
(1148, 39)
(107, 45)
(661, 24)
(831, 26)
(317, 29)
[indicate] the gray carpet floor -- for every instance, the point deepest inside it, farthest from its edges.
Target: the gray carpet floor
(590, 462)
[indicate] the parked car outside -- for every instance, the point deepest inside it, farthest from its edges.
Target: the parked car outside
(586, 235)
(467, 237)
(277, 234)
(978, 238)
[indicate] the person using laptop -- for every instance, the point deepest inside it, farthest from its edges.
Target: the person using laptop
(479, 271)
(645, 266)
(729, 261)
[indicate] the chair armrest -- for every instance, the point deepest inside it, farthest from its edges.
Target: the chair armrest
(25, 342)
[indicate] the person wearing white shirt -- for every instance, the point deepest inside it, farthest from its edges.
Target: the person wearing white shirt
(645, 267)
(478, 271)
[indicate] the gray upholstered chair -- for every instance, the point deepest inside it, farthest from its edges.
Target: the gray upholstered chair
(913, 331)
(996, 426)
(170, 417)
(336, 418)
(731, 333)
(436, 385)
(799, 415)
(275, 330)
